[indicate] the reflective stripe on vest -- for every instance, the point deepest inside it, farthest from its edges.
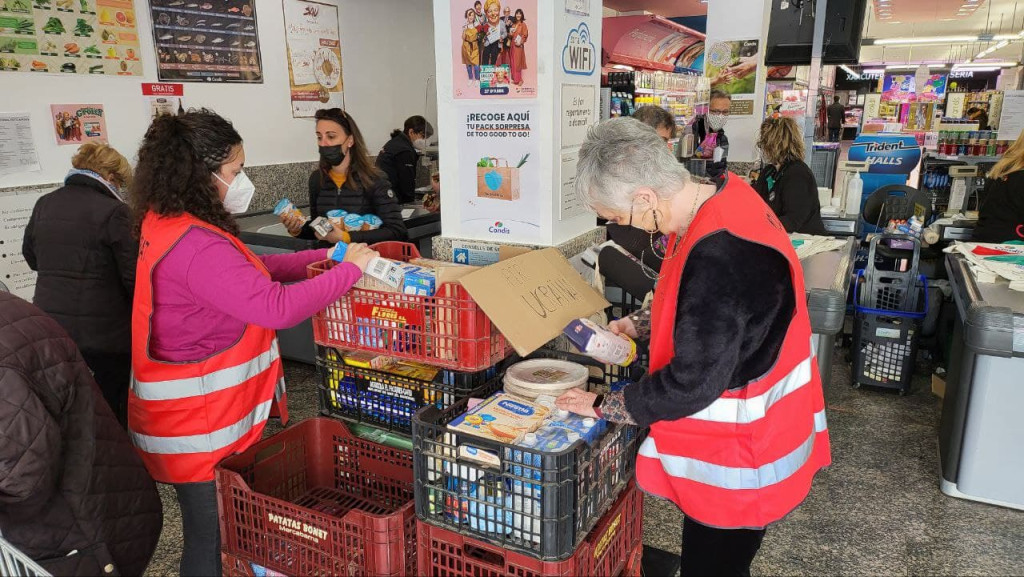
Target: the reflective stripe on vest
(205, 384)
(746, 411)
(205, 443)
(737, 477)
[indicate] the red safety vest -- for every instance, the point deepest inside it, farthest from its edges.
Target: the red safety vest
(748, 459)
(186, 417)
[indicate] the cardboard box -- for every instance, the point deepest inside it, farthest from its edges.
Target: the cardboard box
(531, 297)
(938, 386)
(417, 280)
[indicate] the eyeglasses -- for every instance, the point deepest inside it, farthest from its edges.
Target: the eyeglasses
(722, 112)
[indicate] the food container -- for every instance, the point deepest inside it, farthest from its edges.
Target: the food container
(532, 378)
(337, 218)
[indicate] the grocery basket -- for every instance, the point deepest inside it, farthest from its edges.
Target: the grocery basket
(387, 400)
(610, 549)
(316, 500)
(538, 503)
(447, 330)
(891, 288)
(885, 341)
(14, 563)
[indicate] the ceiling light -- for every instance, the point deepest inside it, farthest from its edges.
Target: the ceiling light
(873, 71)
(846, 69)
(926, 40)
(973, 65)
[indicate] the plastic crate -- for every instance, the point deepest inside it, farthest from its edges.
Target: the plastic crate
(386, 400)
(447, 330)
(610, 549)
(14, 563)
(569, 490)
(234, 566)
(885, 344)
(316, 500)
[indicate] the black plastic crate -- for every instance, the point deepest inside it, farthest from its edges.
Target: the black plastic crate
(885, 343)
(537, 503)
(388, 401)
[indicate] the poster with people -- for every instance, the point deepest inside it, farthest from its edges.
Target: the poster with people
(732, 66)
(78, 123)
(314, 57)
(494, 47)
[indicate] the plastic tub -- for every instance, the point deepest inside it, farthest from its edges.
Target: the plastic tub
(532, 378)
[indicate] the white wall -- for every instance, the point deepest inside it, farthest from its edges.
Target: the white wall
(741, 20)
(387, 54)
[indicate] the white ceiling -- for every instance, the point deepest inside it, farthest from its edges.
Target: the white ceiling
(929, 18)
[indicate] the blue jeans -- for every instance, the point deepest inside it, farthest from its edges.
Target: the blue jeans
(473, 72)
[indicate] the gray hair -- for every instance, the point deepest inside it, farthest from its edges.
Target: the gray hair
(716, 94)
(621, 155)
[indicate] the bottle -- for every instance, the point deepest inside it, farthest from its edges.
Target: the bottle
(686, 146)
(854, 191)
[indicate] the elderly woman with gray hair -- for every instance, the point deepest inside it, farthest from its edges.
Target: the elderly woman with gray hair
(733, 398)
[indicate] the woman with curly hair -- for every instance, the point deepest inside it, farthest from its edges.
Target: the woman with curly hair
(205, 360)
(786, 183)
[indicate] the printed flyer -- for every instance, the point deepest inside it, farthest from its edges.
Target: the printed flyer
(314, 57)
(203, 41)
(732, 66)
(78, 123)
(499, 166)
(69, 37)
(494, 54)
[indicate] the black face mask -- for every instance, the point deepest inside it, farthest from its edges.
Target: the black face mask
(332, 155)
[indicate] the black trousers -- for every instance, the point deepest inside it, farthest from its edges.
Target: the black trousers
(491, 53)
(833, 134)
(200, 556)
(710, 551)
(112, 372)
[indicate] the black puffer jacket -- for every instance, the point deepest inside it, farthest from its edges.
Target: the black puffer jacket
(79, 240)
(398, 161)
(70, 480)
(378, 199)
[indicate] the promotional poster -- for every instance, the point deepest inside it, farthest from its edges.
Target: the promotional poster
(78, 123)
(314, 57)
(494, 48)
(732, 66)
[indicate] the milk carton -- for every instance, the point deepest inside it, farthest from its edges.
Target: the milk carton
(600, 343)
(588, 428)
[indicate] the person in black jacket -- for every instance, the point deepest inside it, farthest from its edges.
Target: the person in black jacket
(74, 495)
(398, 157)
(786, 183)
(347, 180)
(714, 122)
(79, 240)
(1001, 210)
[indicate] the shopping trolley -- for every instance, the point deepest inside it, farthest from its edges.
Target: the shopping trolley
(14, 563)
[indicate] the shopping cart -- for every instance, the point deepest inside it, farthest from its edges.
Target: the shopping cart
(14, 563)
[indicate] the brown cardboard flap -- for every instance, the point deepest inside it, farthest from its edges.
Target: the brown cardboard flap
(507, 251)
(531, 297)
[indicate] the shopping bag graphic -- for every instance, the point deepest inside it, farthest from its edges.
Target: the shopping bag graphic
(498, 181)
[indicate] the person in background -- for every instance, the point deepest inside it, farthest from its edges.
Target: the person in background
(659, 119)
(494, 32)
(347, 180)
(714, 123)
(79, 240)
(729, 329)
(206, 364)
(786, 183)
(518, 34)
(506, 45)
(74, 496)
(397, 160)
(432, 200)
(836, 115)
(979, 115)
(1001, 206)
(471, 47)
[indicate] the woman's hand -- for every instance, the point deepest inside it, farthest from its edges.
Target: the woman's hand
(335, 236)
(360, 255)
(624, 326)
(577, 401)
(293, 222)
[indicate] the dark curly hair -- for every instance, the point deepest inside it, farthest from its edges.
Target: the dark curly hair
(177, 160)
(361, 169)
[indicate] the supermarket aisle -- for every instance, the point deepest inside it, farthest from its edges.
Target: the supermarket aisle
(877, 510)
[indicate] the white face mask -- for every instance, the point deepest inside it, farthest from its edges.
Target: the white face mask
(239, 194)
(420, 144)
(717, 122)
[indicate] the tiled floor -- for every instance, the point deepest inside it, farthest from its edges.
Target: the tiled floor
(876, 511)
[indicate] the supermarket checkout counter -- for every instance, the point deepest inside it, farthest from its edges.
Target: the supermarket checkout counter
(980, 428)
(826, 281)
(841, 226)
(263, 233)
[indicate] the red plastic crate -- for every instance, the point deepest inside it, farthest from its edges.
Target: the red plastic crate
(607, 550)
(447, 330)
(234, 566)
(316, 500)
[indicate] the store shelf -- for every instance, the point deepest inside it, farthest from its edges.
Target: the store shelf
(965, 158)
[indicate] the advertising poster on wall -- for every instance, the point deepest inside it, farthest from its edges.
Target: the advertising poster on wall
(78, 123)
(69, 37)
(494, 53)
(898, 88)
(732, 66)
(499, 168)
(314, 57)
(933, 89)
(206, 41)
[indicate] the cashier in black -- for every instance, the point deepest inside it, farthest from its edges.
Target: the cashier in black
(714, 123)
(347, 180)
(399, 156)
(1001, 210)
(785, 182)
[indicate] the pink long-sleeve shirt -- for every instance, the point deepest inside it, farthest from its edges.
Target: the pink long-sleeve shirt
(205, 292)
